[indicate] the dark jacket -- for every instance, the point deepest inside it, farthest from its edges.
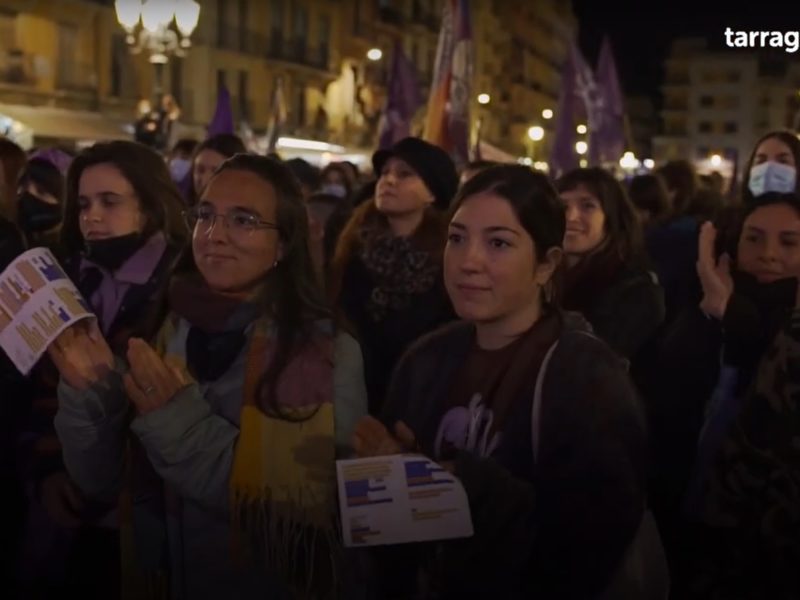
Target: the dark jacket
(672, 248)
(625, 311)
(753, 502)
(559, 529)
(383, 342)
(12, 244)
(14, 408)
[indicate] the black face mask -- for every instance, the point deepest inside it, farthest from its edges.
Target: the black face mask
(111, 253)
(769, 298)
(36, 215)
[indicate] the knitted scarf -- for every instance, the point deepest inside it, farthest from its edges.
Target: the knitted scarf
(282, 484)
(401, 268)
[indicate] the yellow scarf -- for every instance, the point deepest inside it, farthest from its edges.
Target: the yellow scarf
(283, 479)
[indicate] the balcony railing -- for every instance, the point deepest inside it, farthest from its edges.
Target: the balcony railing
(298, 51)
(241, 40)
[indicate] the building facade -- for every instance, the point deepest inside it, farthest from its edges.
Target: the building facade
(67, 71)
(520, 52)
(717, 105)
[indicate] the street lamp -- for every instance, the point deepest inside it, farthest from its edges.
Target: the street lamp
(716, 160)
(156, 33)
(581, 129)
(581, 147)
(547, 113)
(536, 133)
(629, 162)
(484, 98)
(374, 54)
(162, 28)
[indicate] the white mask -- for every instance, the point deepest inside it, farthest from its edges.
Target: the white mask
(772, 177)
(179, 168)
(334, 189)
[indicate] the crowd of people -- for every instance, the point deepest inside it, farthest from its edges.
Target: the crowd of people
(607, 366)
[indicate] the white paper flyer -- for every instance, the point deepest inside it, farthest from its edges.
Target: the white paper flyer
(37, 302)
(398, 499)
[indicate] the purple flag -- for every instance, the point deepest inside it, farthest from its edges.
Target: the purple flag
(606, 112)
(222, 122)
(403, 100)
(577, 84)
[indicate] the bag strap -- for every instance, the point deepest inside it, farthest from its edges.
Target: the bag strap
(536, 412)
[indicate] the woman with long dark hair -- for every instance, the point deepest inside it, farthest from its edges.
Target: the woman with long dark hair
(230, 406)
(533, 414)
(606, 277)
(121, 236)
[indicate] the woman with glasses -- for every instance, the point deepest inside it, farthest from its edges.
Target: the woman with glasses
(228, 485)
(121, 236)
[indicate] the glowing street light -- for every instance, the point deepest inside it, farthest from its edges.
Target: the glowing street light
(581, 129)
(157, 33)
(629, 161)
(581, 147)
(536, 133)
(649, 163)
(375, 54)
(716, 160)
(484, 98)
(583, 163)
(547, 113)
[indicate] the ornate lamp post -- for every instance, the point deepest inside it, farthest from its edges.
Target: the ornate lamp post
(161, 28)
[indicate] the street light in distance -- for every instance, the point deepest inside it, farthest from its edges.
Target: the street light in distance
(375, 54)
(581, 129)
(547, 114)
(536, 133)
(484, 98)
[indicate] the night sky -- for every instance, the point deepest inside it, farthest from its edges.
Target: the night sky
(641, 32)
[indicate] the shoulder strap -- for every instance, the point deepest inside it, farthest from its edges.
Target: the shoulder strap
(536, 412)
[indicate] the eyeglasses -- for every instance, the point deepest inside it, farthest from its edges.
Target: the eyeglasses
(237, 221)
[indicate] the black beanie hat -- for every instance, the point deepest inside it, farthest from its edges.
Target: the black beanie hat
(433, 165)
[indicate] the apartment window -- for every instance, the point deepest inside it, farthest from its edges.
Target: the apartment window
(222, 38)
(276, 16)
(119, 50)
(356, 16)
(300, 25)
(243, 32)
(706, 101)
(8, 32)
(704, 127)
(243, 95)
(324, 39)
(300, 105)
(67, 49)
(731, 127)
